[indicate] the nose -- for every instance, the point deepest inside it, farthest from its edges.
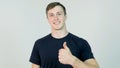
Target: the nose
(56, 17)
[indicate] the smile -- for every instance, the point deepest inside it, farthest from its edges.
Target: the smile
(56, 23)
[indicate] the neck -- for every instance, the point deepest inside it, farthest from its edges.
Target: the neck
(59, 33)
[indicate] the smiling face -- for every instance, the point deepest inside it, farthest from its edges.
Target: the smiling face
(56, 18)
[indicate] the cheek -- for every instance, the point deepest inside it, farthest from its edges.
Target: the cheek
(50, 19)
(63, 19)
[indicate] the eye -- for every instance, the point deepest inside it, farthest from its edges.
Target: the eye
(59, 13)
(51, 15)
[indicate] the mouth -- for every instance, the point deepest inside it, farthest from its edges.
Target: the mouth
(56, 23)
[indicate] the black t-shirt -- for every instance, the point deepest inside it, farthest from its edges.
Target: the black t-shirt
(45, 50)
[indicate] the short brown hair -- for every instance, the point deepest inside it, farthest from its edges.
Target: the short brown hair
(53, 4)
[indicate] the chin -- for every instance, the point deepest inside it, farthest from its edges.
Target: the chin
(57, 28)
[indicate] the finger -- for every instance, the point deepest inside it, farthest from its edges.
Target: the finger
(61, 51)
(65, 46)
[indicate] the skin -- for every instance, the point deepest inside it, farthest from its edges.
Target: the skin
(35, 66)
(56, 19)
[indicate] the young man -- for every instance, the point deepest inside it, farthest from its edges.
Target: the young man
(61, 49)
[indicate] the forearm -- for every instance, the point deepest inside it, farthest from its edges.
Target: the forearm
(35, 66)
(76, 63)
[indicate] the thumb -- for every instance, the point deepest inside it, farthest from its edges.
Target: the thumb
(65, 46)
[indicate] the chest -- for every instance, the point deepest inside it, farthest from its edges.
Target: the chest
(50, 50)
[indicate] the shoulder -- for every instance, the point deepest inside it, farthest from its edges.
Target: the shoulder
(47, 37)
(78, 40)
(75, 37)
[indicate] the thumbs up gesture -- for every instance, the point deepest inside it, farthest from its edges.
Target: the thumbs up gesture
(65, 56)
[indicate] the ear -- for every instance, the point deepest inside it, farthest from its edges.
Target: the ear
(47, 16)
(65, 17)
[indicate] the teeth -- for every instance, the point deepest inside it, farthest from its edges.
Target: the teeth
(56, 23)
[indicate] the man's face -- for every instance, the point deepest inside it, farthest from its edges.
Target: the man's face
(56, 18)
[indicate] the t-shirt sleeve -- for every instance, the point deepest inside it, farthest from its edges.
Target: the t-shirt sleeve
(35, 57)
(86, 52)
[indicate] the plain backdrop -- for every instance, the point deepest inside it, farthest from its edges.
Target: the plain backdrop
(24, 21)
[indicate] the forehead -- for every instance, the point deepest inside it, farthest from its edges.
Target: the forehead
(56, 9)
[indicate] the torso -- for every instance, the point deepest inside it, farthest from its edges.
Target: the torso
(49, 47)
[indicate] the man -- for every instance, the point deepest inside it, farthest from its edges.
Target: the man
(61, 49)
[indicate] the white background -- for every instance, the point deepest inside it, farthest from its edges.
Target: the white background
(24, 21)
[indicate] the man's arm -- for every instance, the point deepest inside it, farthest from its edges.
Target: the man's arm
(35, 66)
(66, 57)
(90, 63)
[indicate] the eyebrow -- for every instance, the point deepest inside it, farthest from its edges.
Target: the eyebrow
(57, 12)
